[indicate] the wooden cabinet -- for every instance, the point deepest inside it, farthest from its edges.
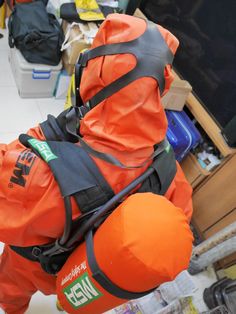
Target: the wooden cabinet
(214, 194)
(214, 200)
(222, 223)
(194, 173)
(214, 203)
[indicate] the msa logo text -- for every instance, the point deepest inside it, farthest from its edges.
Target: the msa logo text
(23, 165)
(81, 292)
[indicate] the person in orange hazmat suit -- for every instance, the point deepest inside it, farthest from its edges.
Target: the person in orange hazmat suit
(125, 124)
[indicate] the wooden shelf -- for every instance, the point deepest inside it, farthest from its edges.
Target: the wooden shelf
(202, 116)
(208, 124)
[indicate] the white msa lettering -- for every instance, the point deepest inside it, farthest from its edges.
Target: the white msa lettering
(81, 291)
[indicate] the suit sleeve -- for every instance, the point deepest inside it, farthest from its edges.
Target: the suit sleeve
(30, 200)
(180, 193)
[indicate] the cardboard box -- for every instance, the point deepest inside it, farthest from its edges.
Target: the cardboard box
(176, 97)
(8, 11)
(139, 13)
(72, 52)
(193, 171)
(66, 65)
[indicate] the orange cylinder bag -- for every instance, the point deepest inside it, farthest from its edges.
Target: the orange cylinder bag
(146, 241)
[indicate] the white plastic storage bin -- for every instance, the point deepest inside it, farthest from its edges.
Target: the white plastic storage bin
(33, 80)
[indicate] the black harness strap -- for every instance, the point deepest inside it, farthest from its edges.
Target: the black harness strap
(74, 171)
(165, 169)
(114, 161)
(63, 128)
(112, 203)
(26, 252)
(54, 131)
(71, 121)
(157, 182)
(77, 175)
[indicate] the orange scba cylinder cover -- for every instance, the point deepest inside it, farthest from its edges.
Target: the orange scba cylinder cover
(145, 241)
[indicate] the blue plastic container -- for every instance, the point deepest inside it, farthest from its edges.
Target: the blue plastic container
(182, 133)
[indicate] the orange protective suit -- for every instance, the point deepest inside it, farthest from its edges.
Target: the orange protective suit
(126, 125)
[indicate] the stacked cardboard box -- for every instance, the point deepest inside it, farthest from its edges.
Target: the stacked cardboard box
(176, 97)
(77, 44)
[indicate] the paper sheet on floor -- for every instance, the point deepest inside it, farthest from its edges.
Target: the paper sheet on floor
(170, 298)
(182, 286)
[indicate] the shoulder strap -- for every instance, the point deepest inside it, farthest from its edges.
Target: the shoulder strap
(54, 257)
(114, 161)
(164, 166)
(74, 170)
(69, 120)
(55, 129)
(94, 196)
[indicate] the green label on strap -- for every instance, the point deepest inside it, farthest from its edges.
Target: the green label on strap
(167, 149)
(43, 149)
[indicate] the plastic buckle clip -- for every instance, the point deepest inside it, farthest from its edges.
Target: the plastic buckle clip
(56, 249)
(36, 252)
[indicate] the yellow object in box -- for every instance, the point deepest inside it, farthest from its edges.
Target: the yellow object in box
(176, 97)
(230, 272)
(70, 98)
(89, 10)
(2, 15)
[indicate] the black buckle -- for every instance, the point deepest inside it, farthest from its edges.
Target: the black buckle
(79, 67)
(56, 249)
(36, 252)
(78, 74)
(11, 41)
(83, 110)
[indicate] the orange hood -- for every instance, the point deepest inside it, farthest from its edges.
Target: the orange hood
(132, 119)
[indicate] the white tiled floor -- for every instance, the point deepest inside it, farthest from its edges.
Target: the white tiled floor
(17, 115)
